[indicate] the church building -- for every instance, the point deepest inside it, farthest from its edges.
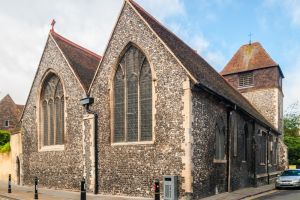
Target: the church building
(151, 107)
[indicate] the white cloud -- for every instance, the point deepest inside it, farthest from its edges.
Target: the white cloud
(200, 43)
(291, 8)
(24, 29)
(162, 9)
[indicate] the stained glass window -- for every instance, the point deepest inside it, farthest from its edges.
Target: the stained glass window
(52, 109)
(133, 98)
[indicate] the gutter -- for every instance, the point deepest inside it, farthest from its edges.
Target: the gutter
(200, 87)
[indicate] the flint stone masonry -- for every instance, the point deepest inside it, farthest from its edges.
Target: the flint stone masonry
(265, 95)
(130, 169)
(55, 169)
(267, 102)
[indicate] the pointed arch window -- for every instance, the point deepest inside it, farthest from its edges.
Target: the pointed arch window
(220, 141)
(133, 98)
(52, 111)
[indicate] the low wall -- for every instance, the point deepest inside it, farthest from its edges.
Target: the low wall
(10, 163)
(5, 165)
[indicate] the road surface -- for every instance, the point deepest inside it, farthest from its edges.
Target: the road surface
(290, 194)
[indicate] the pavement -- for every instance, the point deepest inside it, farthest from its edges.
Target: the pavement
(246, 193)
(27, 192)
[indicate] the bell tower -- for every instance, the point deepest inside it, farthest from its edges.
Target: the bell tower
(259, 78)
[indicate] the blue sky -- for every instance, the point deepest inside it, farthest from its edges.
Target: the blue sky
(215, 28)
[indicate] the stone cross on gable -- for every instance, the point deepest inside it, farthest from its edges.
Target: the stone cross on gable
(52, 24)
(250, 36)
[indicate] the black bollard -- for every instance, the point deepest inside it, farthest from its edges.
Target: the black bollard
(82, 190)
(156, 190)
(36, 194)
(9, 183)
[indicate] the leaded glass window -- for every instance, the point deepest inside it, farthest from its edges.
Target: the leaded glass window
(220, 141)
(52, 111)
(133, 98)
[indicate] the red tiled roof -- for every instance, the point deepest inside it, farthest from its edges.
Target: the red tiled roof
(249, 57)
(197, 66)
(8, 106)
(83, 61)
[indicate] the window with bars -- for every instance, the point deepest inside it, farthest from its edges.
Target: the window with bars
(246, 80)
(52, 111)
(133, 98)
(220, 141)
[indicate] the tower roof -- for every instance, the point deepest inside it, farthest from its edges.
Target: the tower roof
(83, 61)
(249, 57)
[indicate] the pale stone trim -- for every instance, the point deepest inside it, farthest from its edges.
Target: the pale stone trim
(112, 100)
(91, 119)
(245, 87)
(132, 143)
(52, 148)
(72, 70)
(106, 47)
(187, 113)
(36, 73)
(166, 46)
(40, 134)
(219, 161)
(266, 174)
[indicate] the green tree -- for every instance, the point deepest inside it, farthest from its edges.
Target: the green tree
(291, 133)
(291, 121)
(4, 141)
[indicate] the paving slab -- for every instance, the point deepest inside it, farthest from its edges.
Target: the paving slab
(27, 193)
(242, 193)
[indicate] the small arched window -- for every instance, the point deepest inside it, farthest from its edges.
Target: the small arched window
(52, 111)
(133, 98)
(220, 140)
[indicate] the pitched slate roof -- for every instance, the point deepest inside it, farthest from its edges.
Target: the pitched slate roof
(8, 102)
(249, 57)
(200, 70)
(8, 107)
(83, 61)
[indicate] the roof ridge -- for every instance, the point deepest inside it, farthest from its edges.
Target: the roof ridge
(258, 60)
(76, 45)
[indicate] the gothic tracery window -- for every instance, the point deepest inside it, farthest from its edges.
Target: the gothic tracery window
(52, 111)
(133, 98)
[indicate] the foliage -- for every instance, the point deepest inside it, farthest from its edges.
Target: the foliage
(5, 148)
(293, 144)
(4, 137)
(291, 133)
(4, 141)
(292, 121)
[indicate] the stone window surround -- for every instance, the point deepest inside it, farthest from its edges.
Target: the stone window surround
(154, 97)
(41, 147)
(6, 123)
(220, 131)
